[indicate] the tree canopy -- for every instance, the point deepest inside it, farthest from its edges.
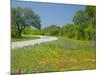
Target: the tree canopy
(24, 17)
(52, 30)
(85, 21)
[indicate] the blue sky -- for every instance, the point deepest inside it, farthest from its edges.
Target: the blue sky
(51, 13)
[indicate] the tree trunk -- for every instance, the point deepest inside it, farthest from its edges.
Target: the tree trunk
(19, 33)
(20, 29)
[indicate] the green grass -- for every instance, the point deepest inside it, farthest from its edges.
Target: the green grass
(61, 55)
(23, 38)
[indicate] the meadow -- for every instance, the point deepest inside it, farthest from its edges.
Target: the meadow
(61, 55)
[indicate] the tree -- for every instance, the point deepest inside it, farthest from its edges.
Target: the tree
(91, 11)
(24, 17)
(52, 30)
(27, 31)
(80, 18)
(69, 30)
(86, 16)
(85, 21)
(90, 33)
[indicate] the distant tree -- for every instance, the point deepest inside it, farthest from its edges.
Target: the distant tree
(68, 30)
(24, 17)
(27, 31)
(79, 32)
(52, 30)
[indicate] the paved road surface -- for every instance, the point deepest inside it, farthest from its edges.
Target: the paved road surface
(32, 42)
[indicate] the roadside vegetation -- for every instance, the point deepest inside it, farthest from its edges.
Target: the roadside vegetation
(61, 55)
(75, 48)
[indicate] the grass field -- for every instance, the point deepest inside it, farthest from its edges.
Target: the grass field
(61, 55)
(23, 38)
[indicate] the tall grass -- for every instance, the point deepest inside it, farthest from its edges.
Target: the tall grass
(61, 55)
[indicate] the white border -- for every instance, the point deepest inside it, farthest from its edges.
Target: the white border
(5, 38)
(83, 2)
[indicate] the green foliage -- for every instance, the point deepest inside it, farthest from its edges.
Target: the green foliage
(90, 33)
(52, 30)
(36, 32)
(68, 30)
(85, 21)
(27, 31)
(91, 11)
(86, 16)
(80, 17)
(24, 17)
(14, 32)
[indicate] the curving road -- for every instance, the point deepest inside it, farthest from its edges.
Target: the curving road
(32, 42)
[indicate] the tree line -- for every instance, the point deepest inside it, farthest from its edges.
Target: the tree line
(82, 28)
